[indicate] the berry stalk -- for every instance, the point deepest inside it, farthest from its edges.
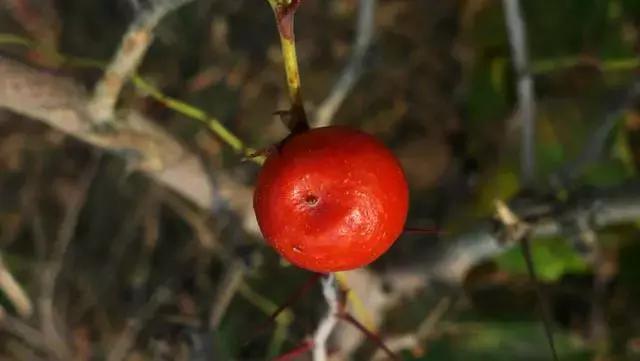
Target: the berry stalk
(284, 11)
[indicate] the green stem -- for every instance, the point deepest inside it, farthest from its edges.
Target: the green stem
(605, 65)
(195, 113)
(174, 104)
(284, 12)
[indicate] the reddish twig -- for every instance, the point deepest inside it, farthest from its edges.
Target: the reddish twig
(284, 17)
(370, 335)
(293, 354)
(297, 295)
(290, 300)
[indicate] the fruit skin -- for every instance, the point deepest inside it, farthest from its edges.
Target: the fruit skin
(331, 199)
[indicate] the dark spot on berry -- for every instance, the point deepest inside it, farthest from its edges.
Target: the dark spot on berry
(311, 200)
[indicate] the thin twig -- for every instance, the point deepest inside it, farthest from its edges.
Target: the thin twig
(542, 66)
(133, 47)
(123, 238)
(40, 20)
(52, 268)
(281, 309)
(354, 68)
(294, 354)
(542, 298)
(425, 329)
(328, 323)
(526, 102)
(198, 222)
(428, 325)
(227, 288)
(282, 320)
(600, 328)
(192, 112)
(518, 232)
(526, 109)
(370, 335)
(14, 292)
(597, 144)
(24, 332)
(128, 337)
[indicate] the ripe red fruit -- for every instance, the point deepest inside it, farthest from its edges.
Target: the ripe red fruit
(331, 199)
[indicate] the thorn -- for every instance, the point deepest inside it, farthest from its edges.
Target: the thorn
(429, 231)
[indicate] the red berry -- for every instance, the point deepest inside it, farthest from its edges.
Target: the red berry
(331, 199)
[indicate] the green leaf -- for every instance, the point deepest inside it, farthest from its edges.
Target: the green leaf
(552, 258)
(606, 174)
(487, 100)
(502, 341)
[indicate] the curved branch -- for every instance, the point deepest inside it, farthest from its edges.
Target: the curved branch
(60, 103)
(353, 69)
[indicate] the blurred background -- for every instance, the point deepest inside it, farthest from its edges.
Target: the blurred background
(143, 272)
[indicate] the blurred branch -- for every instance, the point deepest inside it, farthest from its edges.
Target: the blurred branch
(21, 330)
(595, 146)
(74, 199)
(39, 19)
(128, 337)
(417, 339)
(127, 233)
(61, 102)
(353, 70)
(448, 259)
(527, 108)
(518, 232)
(328, 323)
(133, 47)
(542, 66)
(147, 89)
(14, 292)
(526, 103)
(231, 281)
(283, 319)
